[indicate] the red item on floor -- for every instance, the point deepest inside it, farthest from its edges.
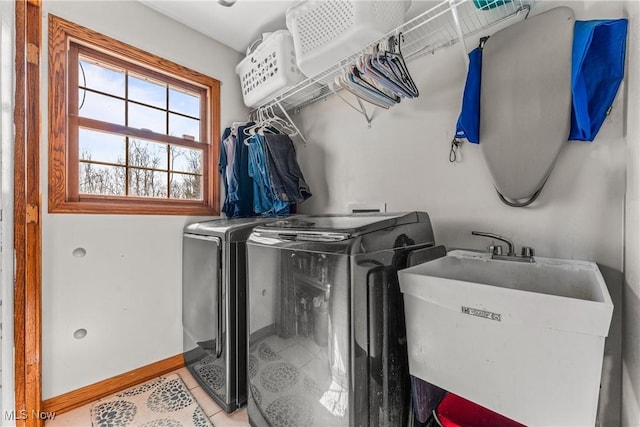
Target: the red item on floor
(454, 411)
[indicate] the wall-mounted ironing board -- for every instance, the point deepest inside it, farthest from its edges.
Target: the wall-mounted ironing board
(525, 102)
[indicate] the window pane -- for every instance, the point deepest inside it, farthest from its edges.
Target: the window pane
(147, 154)
(100, 107)
(148, 92)
(146, 183)
(182, 102)
(186, 186)
(180, 126)
(147, 118)
(101, 147)
(100, 179)
(100, 78)
(186, 160)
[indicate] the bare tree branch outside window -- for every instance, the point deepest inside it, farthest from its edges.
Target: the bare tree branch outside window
(146, 175)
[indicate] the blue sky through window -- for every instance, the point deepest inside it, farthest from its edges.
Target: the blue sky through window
(184, 103)
(147, 92)
(109, 148)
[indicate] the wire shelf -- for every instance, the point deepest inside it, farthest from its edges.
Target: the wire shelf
(438, 27)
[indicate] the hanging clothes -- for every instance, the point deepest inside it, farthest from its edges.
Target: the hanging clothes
(260, 178)
(241, 169)
(265, 201)
(229, 147)
(286, 176)
(225, 166)
(238, 185)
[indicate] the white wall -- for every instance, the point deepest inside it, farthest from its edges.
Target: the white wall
(631, 324)
(127, 290)
(7, 72)
(403, 160)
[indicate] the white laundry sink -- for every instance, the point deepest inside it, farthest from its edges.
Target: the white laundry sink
(523, 339)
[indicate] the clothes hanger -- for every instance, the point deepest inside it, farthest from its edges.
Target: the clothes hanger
(286, 127)
(360, 89)
(372, 83)
(234, 127)
(394, 55)
(266, 121)
(345, 82)
(380, 69)
(354, 77)
(250, 131)
(272, 123)
(388, 66)
(359, 72)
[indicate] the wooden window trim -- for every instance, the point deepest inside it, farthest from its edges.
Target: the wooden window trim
(62, 179)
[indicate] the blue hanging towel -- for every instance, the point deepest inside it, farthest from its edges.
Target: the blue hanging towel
(597, 70)
(468, 126)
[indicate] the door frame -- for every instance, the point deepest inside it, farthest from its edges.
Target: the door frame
(27, 214)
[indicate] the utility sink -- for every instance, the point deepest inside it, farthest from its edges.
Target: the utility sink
(523, 339)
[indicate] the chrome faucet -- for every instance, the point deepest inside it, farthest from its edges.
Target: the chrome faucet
(496, 251)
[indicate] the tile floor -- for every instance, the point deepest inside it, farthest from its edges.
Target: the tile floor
(81, 417)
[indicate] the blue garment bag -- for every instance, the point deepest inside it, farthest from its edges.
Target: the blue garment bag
(468, 126)
(597, 70)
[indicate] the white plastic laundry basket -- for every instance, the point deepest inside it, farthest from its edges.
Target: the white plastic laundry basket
(269, 70)
(326, 31)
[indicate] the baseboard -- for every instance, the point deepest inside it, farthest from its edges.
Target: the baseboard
(82, 396)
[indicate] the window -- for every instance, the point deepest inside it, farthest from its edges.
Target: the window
(129, 132)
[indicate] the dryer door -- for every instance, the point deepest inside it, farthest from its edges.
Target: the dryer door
(201, 293)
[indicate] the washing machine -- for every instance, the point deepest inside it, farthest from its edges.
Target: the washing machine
(327, 344)
(214, 307)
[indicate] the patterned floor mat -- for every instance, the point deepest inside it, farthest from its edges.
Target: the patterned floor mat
(162, 402)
